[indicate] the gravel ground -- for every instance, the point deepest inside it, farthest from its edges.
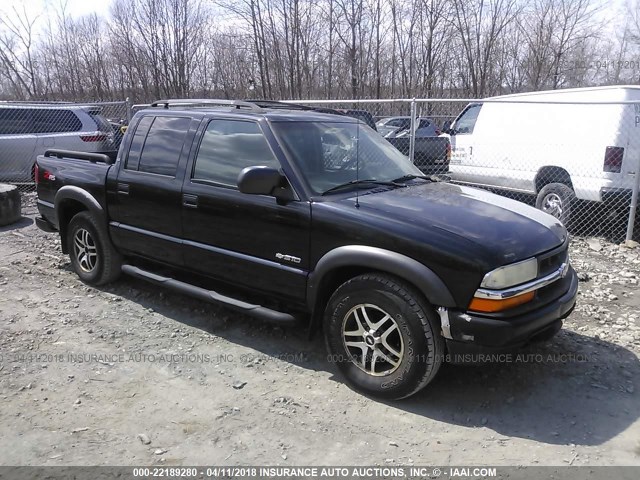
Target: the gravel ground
(130, 374)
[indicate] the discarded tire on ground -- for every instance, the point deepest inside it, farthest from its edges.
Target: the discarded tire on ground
(9, 204)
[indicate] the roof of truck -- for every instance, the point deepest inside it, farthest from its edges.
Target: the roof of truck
(274, 114)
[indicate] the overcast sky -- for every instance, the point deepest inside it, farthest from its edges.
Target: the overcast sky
(613, 9)
(75, 8)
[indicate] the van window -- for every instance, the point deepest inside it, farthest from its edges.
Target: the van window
(467, 121)
(163, 145)
(54, 121)
(14, 121)
(227, 147)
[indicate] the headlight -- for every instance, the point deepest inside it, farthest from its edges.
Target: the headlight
(511, 275)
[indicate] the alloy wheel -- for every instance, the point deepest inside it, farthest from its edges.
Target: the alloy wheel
(373, 339)
(85, 250)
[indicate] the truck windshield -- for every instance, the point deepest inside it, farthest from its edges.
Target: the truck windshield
(334, 153)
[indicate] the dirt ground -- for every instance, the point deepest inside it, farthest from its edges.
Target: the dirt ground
(133, 375)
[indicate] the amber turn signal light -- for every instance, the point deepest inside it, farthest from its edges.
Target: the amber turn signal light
(486, 305)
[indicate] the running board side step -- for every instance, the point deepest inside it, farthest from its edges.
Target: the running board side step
(257, 311)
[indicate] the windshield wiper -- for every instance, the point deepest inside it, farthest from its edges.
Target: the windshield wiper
(367, 181)
(404, 178)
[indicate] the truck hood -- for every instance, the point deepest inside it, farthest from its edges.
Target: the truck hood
(505, 229)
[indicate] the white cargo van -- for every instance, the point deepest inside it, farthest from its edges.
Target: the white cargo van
(557, 151)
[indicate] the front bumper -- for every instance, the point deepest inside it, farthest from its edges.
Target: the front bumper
(469, 333)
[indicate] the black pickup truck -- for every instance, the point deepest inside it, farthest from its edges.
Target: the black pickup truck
(299, 216)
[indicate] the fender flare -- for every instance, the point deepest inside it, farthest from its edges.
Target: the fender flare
(383, 260)
(70, 192)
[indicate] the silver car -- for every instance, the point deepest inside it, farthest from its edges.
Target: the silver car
(28, 130)
(391, 124)
(425, 127)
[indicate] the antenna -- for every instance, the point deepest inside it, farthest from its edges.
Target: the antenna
(357, 162)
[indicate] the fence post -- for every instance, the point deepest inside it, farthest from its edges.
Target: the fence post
(634, 202)
(412, 136)
(128, 107)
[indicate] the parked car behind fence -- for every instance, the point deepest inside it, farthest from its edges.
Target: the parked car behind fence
(590, 156)
(29, 129)
(388, 125)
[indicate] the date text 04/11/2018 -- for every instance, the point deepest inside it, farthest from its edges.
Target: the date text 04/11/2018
(603, 64)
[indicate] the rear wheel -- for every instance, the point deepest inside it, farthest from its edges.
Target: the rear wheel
(93, 257)
(556, 199)
(383, 336)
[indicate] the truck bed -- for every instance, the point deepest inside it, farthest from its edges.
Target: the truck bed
(59, 168)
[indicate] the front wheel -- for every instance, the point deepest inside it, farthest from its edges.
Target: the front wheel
(556, 199)
(93, 257)
(383, 336)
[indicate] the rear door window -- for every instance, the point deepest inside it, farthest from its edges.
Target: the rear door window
(161, 147)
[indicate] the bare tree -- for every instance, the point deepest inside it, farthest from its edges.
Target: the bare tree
(574, 25)
(147, 49)
(18, 53)
(480, 24)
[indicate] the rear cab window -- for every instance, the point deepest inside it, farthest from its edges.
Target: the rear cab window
(157, 144)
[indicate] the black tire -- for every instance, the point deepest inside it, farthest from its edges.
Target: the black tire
(416, 337)
(557, 199)
(100, 263)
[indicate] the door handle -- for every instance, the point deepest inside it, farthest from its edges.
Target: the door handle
(123, 188)
(190, 201)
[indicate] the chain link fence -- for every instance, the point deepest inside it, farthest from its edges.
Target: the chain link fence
(574, 159)
(28, 129)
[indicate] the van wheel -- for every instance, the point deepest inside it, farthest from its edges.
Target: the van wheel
(383, 336)
(556, 199)
(93, 257)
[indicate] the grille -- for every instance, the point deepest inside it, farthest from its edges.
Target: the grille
(552, 261)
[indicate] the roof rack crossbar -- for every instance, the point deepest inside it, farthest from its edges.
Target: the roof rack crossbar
(187, 102)
(275, 104)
